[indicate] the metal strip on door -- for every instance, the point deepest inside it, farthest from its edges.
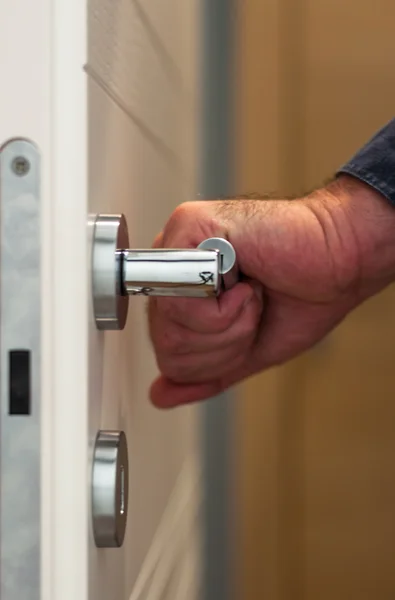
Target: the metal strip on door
(20, 328)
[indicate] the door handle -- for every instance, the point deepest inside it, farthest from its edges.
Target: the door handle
(119, 272)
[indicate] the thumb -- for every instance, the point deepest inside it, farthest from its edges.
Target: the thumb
(166, 394)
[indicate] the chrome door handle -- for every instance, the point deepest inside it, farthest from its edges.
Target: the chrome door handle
(119, 272)
(176, 272)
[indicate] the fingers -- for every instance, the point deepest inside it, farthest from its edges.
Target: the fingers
(203, 367)
(177, 340)
(187, 356)
(207, 316)
(171, 338)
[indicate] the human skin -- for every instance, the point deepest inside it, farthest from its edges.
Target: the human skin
(306, 263)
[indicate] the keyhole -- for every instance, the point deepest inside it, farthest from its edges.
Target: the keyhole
(122, 506)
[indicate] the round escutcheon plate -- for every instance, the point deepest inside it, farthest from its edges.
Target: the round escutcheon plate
(110, 485)
(110, 306)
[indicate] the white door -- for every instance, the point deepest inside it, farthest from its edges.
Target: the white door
(106, 90)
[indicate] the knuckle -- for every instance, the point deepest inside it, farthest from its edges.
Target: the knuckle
(221, 323)
(171, 369)
(251, 321)
(189, 223)
(164, 362)
(183, 213)
(164, 367)
(247, 324)
(253, 315)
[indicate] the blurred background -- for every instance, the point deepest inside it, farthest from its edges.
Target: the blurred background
(314, 440)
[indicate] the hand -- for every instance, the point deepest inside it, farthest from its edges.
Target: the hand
(306, 264)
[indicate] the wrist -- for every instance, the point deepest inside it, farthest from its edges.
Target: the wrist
(363, 224)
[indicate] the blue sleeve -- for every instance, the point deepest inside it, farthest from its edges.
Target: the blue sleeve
(375, 162)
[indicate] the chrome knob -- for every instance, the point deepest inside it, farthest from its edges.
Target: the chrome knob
(119, 272)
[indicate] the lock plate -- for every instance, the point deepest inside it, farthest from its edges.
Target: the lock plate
(110, 486)
(20, 370)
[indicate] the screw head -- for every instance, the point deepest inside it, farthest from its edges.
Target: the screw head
(20, 165)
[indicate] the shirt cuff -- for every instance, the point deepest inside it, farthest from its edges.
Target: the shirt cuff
(375, 162)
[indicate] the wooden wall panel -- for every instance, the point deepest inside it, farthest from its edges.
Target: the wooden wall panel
(316, 439)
